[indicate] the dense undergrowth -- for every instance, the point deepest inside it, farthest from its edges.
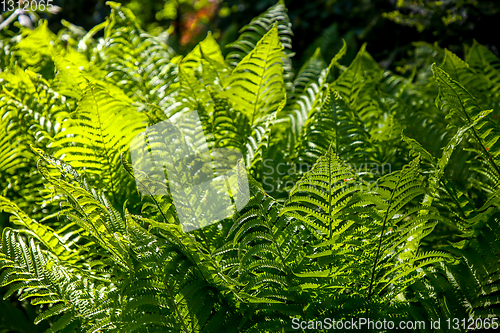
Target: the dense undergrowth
(373, 195)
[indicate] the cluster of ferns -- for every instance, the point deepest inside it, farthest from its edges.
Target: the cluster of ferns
(372, 194)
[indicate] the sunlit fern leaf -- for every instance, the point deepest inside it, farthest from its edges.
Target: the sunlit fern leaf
(320, 202)
(341, 214)
(357, 85)
(321, 194)
(41, 39)
(35, 50)
(186, 303)
(208, 50)
(153, 302)
(458, 102)
(31, 108)
(403, 224)
(98, 222)
(362, 70)
(193, 96)
(210, 270)
(158, 207)
(296, 113)
(73, 73)
(485, 62)
(253, 32)
(12, 157)
(255, 86)
(202, 73)
(42, 233)
(256, 254)
(309, 72)
(229, 127)
(27, 269)
(97, 133)
(142, 65)
(258, 155)
(32, 113)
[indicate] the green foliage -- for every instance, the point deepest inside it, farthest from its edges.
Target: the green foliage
(354, 211)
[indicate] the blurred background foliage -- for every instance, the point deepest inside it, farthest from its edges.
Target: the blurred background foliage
(388, 26)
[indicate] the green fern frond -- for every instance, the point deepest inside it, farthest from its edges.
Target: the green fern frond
(335, 124)
(321, 194)
(255, 86)
(459, 102)
(42, 233)
(95, 136)
(89, 212)
(484, 61)
(141, 65)
(309, 72)
(260, 26)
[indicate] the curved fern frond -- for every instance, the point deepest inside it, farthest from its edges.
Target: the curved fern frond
(319, 197)
(143, 66)
(260, 26)
(484, 61)
(97, 133)
(335, 124)
(42, 233)
(90, 211)
(42, 278)
(457, 101)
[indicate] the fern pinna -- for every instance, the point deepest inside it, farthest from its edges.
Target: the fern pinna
(353, 211)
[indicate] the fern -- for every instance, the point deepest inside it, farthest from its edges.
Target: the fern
(98, 146)
(254, 84)
(96, 237)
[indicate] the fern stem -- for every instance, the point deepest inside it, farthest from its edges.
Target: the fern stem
(372, 278)
(184, 328)
(150, 194)
(103, 141)
(490, 160)
(280, 254)
(330, 193)
(336, 124)
(453, 196)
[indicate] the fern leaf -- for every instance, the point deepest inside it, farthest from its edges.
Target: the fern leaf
(458, 101)
(44, 234)
(256, 84)
(100, 130)
(253, 32)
